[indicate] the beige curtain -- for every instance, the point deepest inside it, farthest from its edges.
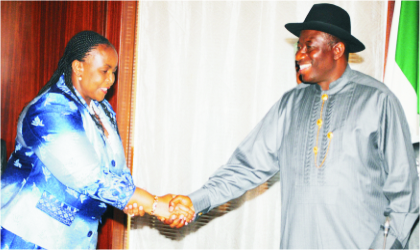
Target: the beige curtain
(207, 73)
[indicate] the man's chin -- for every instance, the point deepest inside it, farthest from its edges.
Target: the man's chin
(308, 82)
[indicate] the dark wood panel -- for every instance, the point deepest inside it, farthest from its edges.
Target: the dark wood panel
(53, 40)
(85, 15)
(113, 33)
(20, 71)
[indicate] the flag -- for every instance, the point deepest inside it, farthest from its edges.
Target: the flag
(402, 68)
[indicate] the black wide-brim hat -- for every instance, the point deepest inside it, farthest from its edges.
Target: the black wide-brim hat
(330, 19)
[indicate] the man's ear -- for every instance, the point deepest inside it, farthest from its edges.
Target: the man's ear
(77, 67)
(339, 49)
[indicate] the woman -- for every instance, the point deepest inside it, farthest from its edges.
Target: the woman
(69, 163)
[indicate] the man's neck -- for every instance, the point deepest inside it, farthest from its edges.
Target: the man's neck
(324, 85)
(335, 75)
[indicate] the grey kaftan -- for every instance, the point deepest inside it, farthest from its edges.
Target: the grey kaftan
(369, 170)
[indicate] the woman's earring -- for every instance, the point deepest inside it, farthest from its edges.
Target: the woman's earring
(80, 78)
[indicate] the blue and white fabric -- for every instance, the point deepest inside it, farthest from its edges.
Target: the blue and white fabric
(10, 240)
(63, 172)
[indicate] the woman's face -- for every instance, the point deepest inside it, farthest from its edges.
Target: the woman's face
(97, 72)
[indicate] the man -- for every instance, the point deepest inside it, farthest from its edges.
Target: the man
(342, 146)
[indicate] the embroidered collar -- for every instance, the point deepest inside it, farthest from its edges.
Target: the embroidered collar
(335, 86)
(338, 84)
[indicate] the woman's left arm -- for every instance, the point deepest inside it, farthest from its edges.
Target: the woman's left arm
(54, 129)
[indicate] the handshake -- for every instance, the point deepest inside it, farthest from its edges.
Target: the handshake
(173, 210)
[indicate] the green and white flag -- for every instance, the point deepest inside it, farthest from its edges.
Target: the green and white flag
(402, 68)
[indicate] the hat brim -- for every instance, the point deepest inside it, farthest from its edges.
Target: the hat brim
(353, 44)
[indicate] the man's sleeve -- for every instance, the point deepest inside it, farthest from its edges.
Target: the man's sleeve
(252, 163)
(401, 186)
(55, 132)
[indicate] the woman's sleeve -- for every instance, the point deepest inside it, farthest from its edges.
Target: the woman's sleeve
(54, 129)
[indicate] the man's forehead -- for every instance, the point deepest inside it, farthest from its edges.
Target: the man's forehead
(308, 35)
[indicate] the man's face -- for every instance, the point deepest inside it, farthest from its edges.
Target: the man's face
(315, 58)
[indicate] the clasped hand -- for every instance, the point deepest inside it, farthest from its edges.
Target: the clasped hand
(175, 211)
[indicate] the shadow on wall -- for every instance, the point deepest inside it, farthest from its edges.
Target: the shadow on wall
(179, 234)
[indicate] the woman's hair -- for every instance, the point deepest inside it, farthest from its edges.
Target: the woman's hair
(78, 48)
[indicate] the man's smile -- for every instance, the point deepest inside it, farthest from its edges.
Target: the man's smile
(303, 67)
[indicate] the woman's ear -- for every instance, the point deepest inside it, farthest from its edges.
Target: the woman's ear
(77, 67)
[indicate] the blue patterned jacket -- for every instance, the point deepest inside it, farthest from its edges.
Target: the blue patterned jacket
(63, 172)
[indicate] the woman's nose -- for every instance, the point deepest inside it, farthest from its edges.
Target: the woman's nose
(111, 78)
